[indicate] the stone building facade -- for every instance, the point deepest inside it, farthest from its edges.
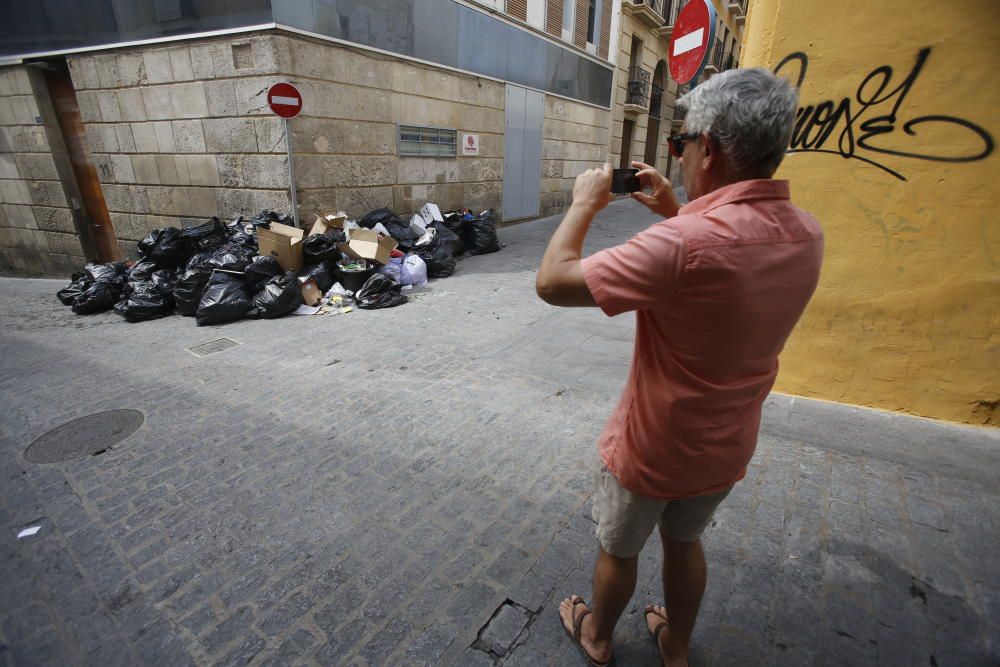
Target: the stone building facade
(178, 131)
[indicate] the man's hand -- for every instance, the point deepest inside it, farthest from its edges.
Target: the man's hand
(662, 201)
(592, 189)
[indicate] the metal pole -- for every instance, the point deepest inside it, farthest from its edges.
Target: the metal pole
(291, 175)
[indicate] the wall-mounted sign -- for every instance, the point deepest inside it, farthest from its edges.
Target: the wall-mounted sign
(470, 144)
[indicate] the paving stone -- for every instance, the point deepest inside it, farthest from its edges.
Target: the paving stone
(504, 629)
(243, 523)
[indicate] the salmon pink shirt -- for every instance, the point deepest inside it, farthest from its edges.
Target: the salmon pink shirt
(716, 291)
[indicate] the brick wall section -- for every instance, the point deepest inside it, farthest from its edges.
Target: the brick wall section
(553, 17)
(574, 139)
(37, 233)
(180, 133)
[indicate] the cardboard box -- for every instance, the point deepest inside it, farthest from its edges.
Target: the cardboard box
(370, 245)
(311, 294)
(283, 242)
(327, 221)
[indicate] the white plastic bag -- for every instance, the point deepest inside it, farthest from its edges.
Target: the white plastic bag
(393, 268)
(413, 271)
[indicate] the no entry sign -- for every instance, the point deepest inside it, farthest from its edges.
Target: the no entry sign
(284, 100)
(691, 41)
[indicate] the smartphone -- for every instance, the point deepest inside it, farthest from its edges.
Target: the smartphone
(624, 181)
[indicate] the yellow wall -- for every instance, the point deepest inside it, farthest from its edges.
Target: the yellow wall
(906, 313)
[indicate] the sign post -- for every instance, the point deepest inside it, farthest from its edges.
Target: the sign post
(286, 101)
(691, 41)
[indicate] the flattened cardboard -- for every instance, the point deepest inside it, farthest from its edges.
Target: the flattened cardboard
(283, 242)
(369, 245)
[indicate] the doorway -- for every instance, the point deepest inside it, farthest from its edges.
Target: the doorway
(522, 152)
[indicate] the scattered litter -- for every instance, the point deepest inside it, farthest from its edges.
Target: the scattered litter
(28, 532)
(306, 310)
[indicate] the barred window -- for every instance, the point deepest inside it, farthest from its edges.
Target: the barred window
(416, 141)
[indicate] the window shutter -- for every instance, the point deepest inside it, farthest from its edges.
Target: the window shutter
(602, 48)
(518, 9)
(553, 18)
(580, 32)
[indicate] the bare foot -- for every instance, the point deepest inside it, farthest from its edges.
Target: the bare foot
(659, 628)
(570, 610)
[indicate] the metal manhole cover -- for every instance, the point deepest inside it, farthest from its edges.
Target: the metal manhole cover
(84, 436)
(212, 347)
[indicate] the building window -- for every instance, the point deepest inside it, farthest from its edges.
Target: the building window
(593, 25)
(569, 19)
(416, 141)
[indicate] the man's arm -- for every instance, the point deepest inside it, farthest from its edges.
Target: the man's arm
(560, 279)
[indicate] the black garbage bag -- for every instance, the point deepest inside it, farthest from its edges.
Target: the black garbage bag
(278, 297)
(189, 289)
(100, 296)
(455, 222)
(451, 241)
(230, 257)
(78, 284)
(321, 272)
(237, 233)
(401, 231)
(201, 261)
(320, 247)
(382, 215)
(146, 301)
(226, 299)
(267, 216)
(481, 235)
(112, 272)
(260, 270)
(379, 291)
(165, 281)
(141, 271)
(167, 248)
(212, 234)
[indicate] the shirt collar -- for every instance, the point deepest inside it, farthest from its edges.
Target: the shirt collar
(760, 188)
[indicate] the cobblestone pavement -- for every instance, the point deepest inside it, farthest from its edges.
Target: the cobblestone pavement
(411, 487)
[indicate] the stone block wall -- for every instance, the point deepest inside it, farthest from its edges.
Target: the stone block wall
(37, 231)
(574, 139)
(345, 140)
(180, 133)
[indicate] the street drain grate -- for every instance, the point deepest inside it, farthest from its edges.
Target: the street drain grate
(90, 435)
(212, 347)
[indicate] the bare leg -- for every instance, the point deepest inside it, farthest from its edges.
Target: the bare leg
(684, 576)
(614, 583)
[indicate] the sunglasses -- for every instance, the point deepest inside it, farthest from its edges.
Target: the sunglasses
(676, 142)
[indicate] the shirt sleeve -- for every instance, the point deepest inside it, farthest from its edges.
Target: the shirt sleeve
(640, 274)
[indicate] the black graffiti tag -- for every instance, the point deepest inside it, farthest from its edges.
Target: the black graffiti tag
(860, 129)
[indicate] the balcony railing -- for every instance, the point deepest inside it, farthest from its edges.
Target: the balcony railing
(638, 86)
(715, 62)
(651, 11)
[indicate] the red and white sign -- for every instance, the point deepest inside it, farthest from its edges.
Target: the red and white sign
(470, 144)
(284, 100)
(691, 41)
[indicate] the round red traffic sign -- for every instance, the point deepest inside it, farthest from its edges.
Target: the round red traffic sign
(691, 40)
(284, 100)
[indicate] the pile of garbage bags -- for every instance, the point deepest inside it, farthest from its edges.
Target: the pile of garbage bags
(213, 273)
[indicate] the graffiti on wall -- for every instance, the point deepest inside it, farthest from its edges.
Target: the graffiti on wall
(873, 122)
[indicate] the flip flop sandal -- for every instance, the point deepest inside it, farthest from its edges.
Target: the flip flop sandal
(575, 635)
(655, 633)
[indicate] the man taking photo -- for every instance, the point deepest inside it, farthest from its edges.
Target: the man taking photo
(717, 287)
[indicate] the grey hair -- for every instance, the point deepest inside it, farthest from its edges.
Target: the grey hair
(750, 112)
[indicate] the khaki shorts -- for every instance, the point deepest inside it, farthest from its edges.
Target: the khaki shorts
(625, 520)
